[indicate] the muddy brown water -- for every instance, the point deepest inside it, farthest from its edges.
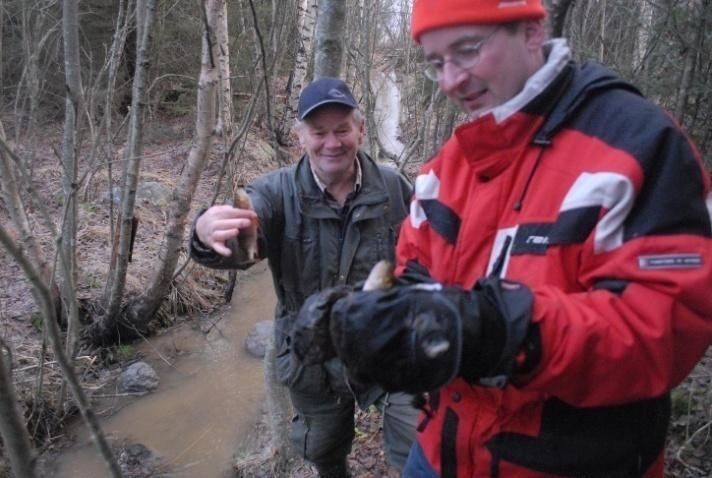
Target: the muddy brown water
(207, 400)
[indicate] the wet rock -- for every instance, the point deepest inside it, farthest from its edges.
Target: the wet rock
(150, 192)
(139, 377)
(137, 461)
(154, 193)
(114, 195)
(259, 151)
(256, 341)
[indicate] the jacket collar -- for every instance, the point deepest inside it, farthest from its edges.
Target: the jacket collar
(558, 56)
(311, 197)
(357, 177)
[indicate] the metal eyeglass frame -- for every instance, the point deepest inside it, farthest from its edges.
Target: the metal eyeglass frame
(466, 59)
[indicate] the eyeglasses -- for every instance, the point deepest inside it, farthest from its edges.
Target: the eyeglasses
(464, 56)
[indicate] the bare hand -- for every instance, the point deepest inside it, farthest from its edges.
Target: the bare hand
(220, 223)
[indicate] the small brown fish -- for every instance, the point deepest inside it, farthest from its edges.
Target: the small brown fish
(380, 277)
(247, 239)
(434, 341)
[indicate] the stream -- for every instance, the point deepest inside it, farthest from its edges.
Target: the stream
(207, 400)
(387, 112)
(211, 389)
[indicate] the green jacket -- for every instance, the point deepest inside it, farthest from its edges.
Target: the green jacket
(307, 243)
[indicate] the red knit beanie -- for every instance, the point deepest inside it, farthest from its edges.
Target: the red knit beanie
(431, 14)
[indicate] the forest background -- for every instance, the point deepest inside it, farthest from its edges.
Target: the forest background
(98, 97)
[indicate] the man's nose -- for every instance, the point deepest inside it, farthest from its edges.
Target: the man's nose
(452, 77)
(332, 141)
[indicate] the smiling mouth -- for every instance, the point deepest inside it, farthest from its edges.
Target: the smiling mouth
(474, 97)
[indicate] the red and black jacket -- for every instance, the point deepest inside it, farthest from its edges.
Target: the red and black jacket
(594, 198)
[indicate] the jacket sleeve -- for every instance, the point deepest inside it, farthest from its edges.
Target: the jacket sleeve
(266, 200)
(644, 316)
(410, 245)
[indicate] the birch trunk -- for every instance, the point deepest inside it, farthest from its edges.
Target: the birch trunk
(690, 60)
(644, 35)
(330, 24)
(141, 311)
(307, 22)
(225, 124)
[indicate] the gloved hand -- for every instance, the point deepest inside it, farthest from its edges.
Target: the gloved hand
(417, 338)
(311, 340)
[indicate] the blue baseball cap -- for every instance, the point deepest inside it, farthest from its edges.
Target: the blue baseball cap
(324, 91)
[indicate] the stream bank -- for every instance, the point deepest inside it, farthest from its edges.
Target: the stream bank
(208, 399)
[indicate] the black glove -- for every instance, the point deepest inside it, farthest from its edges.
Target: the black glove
(310, 338)
(417, 338)
(311, 341)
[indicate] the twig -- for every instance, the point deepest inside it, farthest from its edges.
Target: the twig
(185, 450)
(265, 72)
(678, 456)
(214, 325)
(138, 332)
(118, 395)
(44, 300)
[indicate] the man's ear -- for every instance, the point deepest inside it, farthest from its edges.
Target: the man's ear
(534, 34)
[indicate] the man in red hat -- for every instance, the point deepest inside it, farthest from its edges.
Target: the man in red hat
(555, 267)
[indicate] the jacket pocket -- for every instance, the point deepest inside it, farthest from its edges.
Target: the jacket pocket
(288, 368)
(300, 264)
(295, 375)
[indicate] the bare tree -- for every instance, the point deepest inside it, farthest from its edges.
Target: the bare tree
(307, 22)
(225, 123)
(330, 29)
(691, 54)
(266, 76)
(38, 30)
(645, 34)
(559, 9)
(145, 11)
(143, 309)
(70, 150)
(121, 31)
(364, 65)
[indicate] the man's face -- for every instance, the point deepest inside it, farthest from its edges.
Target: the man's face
(331, 137)
(505, 61)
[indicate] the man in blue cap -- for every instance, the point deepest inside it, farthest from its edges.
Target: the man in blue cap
(323, 222)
